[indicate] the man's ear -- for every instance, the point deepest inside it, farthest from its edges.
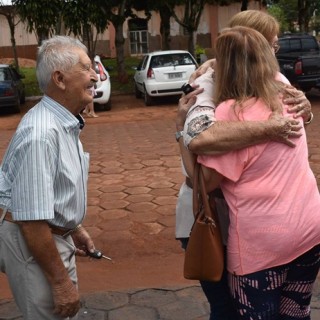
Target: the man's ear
(58, 79)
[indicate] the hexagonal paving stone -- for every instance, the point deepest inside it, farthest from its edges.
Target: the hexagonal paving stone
(165, 200)
(111, 170)
(111, 188)
(153, 297)
(88, 314)
(132, 166)
(152, 163)
(114, 204)
(163, 192)
(106, 301)
(138, 198)
(137, 190)
(179, 310)
(110, 164)
(113, 196)
(116, 225)
(133, 313)
(143, 217)
(114, 214)
(167, 210)
(160, 184)
(141, 207)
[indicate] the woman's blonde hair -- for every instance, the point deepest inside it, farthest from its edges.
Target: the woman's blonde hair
(246, 67)
(261, 21)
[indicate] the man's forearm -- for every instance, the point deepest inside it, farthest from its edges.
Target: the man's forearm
(225, 136)
(39, 240)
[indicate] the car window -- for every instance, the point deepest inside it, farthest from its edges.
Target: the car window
(284, 45)
(167, 60)
(144, 62)
(5, 74)
(309, 45)
(295, 44)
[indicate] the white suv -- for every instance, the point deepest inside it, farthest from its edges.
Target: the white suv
(103, 86)
(162, 73)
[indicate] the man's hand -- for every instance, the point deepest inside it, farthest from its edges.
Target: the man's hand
(185, 103)
(66, 299)
(202, 69)
(298, 103)
(82, 241)
(284, 128)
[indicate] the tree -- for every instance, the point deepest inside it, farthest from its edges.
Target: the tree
(190, 21)
(278, 13)
(297, 14)
(117, 12)
(10, 14)
(79, 17)
(40, 16)
(192, 13)
(84, 19)
(305, 12)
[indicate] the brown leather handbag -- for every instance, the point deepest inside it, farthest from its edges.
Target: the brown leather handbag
(204, 252)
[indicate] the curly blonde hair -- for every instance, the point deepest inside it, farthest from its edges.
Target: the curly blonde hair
(261, 21)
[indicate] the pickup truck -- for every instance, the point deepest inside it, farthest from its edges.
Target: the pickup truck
(299, 60)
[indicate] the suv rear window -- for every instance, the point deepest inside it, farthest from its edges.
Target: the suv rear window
(297, 45)
(167, 60)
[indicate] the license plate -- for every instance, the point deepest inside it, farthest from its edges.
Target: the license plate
(175, 75)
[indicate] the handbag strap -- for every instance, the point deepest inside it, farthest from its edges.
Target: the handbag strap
(200, 196)
(195, 196)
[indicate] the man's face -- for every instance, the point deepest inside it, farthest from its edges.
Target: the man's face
(79, 81)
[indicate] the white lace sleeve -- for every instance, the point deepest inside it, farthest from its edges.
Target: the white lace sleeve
(201, 115)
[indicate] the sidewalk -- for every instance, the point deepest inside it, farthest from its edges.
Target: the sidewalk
(179, 303)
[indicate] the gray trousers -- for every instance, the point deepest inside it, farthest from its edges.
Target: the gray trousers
(28, 284)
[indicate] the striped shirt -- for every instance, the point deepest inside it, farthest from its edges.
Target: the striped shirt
(44, 172)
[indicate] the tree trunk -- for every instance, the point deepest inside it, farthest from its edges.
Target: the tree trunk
(119, 42)
(192, 38)
(165, 27)
(13, 40)
(244, 5)
(301, 15)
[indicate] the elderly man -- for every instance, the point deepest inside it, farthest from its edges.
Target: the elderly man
(43, 187)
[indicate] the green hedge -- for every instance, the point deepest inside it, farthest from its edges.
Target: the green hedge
(32, 88)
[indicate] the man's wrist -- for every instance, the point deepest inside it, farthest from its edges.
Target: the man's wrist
(179, 126)
(178, 135)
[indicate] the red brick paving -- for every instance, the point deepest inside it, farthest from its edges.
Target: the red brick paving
(134, 180)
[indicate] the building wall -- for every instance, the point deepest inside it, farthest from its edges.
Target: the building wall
(214, 18)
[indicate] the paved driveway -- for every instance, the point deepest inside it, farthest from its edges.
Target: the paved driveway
(134, 179)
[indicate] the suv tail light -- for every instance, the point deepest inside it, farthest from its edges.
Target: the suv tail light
(9, 92)
(103, 76)
(150, 73)
(298, 67)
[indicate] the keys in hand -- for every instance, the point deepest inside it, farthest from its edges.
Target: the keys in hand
(98, 255)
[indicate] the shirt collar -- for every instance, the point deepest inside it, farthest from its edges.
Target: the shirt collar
(65, 117)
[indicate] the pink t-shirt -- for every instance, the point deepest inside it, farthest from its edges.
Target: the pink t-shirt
(272, 195)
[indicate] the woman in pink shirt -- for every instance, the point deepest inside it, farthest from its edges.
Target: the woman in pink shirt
(274, 234)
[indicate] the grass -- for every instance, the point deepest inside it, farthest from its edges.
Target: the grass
(31, 82)
(116, 86)
(32, 88)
